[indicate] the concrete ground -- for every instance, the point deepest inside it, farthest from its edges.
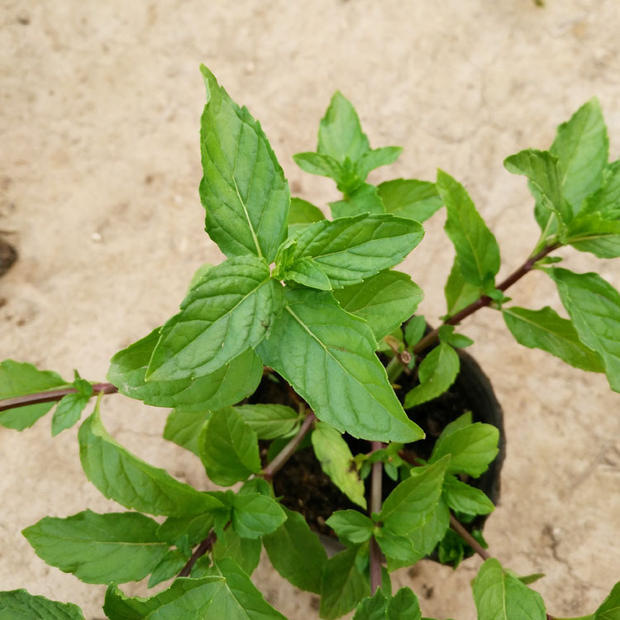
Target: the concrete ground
(99, 172)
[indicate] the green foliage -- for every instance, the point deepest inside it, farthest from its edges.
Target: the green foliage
(351, 526)
(71, 406)
(99, 548)
(500, 596)
(416, 200)
(21, 605)
(402, 606)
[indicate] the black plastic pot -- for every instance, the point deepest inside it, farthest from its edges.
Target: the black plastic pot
(302, 485)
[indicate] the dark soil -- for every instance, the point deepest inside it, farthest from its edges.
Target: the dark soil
(8, 255)
(302, 485)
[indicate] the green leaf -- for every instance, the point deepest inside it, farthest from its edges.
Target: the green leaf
(319, 164)
(437, 373)
(301, 214)
(500, 596)
(70, 407)
(351, 526)
(475, 245)
(610, 607)
(240, 599)
(21, 605)
(327, 355)
(462, 497)
(307, 272)
(169, 566)
(269, 421)
(412, 501)
(410, 198)
(133, 483)
(414, 330)
(185, 598)
(225, 386)
(384, 301)
(336, 461)
(591, 232)
(99, 548)
(404, 606)
(606, 200)
(255, 515)
(296, 553)
(184, 428)
(458, 292)
(365, 199)
(375, 158)
(582, 147)
(372, 607)
(243, 188)
(244, 551)
(594, 307)
(193, 529)
(20, 379)
(545, 329)
(471, 448)
(343, 585)
(340, 132)
(349, 250)
(447, 335)
(229, 448)
(230, 311)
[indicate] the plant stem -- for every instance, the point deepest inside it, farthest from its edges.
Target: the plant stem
(468, 538)
(431, 338)
(285, 454)
(52, 395)
(204, 547)
(376, 490)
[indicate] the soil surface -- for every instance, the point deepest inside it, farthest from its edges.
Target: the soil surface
(99, 170)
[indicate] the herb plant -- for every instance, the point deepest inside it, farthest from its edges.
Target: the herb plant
(306, 303)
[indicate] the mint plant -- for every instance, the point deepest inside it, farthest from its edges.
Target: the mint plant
(311, 307)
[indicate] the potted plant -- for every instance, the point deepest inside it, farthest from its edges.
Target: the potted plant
(305, 341)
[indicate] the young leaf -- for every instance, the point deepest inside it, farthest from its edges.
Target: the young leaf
(414, 330)
(230, 311)
(340, 132)
(404, 606)
(301, 214)
(545, 329)
(185, 598)
(20, 379)
(244, 551)
(409, 504)
(475, 245)
(319, 164)
(471, 448)
(594, 307)
(458, 292)
(581, 146)
(462, 497)
(437, 373)
(269, 421)
(606, 200)
(133, 483)
(307, 272)
(336, 461)
(21, 605)
(99, 548)
(372, 607)
(500, 596)
(255, 515)
(349, 250)
(343, 585)
(239, 600)
(592, 232)
(447, 335)
(225, 386)
(384, 301)
(327, 355)
(71, 406)
(169, 566)
(351, 526)
(543, 171)
(243, 188)
(296, 553)
(192, 529)
(365, 199)
(228, 448)
(375, 158)
(184, 428)
(415, 200)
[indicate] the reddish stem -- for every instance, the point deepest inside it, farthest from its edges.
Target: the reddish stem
(376, 490)
(52, 395)
(468, 538)
(204, 547)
